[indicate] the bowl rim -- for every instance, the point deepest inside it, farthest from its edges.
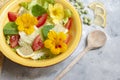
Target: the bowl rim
(51, 61)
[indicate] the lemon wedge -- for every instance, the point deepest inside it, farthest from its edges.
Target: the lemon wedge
(93, 5)
(100, 10)
(25, 51)
(100, 20)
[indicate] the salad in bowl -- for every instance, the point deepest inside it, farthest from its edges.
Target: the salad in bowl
(41, 30)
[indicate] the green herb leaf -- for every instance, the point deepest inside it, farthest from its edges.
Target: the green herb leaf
(24, 4)
(68, 13)
(65, 20)
(49, 55)
(10, 28)
(8, 39)
(37, 10)
(46, 29)
(45, 3)
(50, 1)
(41, 2)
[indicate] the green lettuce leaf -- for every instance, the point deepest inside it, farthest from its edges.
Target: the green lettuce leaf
(10, 28)
(38, 10)
(46, 29)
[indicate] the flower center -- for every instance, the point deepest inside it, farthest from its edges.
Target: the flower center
(55, 12)
(27, 27)
(58, 46)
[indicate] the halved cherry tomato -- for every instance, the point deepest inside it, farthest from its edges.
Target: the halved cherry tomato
(69, 24)
(41, 20)
(12, 16)
(14, 40)
(37, 43)
(69, 36)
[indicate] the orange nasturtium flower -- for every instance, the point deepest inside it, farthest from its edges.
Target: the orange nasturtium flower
(26, 23)
(56, 42)
(56, 12)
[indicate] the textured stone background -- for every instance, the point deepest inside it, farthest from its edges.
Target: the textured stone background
(99, 64)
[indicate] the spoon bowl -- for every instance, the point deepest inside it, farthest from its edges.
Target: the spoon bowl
(96, 39)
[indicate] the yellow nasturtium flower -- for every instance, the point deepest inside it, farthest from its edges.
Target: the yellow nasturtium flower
(26, 23)
(56, 12)
(56, 42)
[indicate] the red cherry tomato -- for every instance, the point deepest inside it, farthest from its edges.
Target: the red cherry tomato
(12, 16)
(41, 20)
(14, 40)
(37, 43)
(68, 38)
(69, 24)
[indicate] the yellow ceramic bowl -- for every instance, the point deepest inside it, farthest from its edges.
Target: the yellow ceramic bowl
(10, 54)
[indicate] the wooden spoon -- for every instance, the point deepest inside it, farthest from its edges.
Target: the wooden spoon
(95, 40)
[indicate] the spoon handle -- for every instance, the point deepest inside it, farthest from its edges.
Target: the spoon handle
(72, 64)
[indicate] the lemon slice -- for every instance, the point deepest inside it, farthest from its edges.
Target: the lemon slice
(100, 20)
(37, 55)
(100, 10)
(25, 51)
(93, 5)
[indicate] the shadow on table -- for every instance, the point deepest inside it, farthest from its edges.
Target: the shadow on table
(15, 71)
